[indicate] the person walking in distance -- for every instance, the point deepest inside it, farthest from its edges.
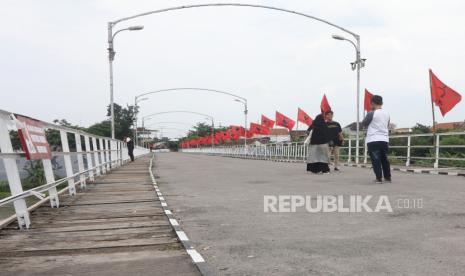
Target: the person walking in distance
(130, 145)
(377, 122)
(335, 136)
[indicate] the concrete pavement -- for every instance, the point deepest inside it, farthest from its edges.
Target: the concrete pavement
(219, 203)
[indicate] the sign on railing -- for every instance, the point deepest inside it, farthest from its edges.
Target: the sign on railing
(32, 136)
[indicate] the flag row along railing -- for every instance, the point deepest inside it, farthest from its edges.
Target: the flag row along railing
(83, 155)
(442, 96)
(407, 149)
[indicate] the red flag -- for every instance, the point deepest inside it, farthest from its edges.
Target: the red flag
(248, 134)
(367, 101)
(267, 122)
(284, 121)
(219, 136)
(259, 129)
(303, 117)
(227, 135)
(325, 107)
(442, 95)
(238, 130)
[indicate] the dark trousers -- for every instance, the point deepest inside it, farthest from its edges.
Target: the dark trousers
(131, 154)
(378, 153)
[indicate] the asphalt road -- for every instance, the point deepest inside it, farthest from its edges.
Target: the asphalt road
(219, 202)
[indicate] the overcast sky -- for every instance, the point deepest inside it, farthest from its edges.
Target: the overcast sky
(53, 59)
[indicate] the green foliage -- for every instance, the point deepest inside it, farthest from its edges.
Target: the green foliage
(200, 130)
(102, 129)
(15, 142)
(35, 171)
(419, 128)
(124, 120)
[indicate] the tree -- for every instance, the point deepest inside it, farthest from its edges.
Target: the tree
(199, 130)
(124, 121)
(419, 128)
(102, 128)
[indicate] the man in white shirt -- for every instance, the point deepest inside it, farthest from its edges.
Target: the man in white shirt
(377, 139)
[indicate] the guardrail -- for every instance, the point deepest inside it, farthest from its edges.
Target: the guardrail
(97, 156)
(407, 149)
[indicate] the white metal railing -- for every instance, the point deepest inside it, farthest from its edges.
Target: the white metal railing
(399, 143)
(101, 154)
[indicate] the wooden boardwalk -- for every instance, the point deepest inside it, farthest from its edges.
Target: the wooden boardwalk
(115, 227)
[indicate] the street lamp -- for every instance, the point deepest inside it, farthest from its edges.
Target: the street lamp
(237, 98)
(357, 64)
(244, 102)
(111, 57)
(136, 111)
(208, 117)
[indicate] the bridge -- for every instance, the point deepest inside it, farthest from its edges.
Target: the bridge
(206, 211)
(76, 203)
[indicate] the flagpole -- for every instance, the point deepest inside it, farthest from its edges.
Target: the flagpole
(434, 116)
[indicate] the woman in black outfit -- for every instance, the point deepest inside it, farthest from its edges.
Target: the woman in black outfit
(318, 151)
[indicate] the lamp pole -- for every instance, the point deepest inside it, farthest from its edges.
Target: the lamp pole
(189, 112)
(237, 99)
(244, 102)
(356, 65)
(111, 57)
(136, 111)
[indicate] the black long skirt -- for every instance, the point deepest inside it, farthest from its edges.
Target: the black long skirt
(318, 167)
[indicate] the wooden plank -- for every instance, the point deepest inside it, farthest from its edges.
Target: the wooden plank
(117, 221)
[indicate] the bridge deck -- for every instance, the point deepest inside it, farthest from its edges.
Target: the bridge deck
(219, 204)
(115, 227)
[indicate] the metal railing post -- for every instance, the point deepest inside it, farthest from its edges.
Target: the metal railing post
(107, 154)
(349, 152)
(436, 156)
(365, 152)
(12, 173)
(102, 156)
(90, 164)
(114, 153)
(96, 156)
(407, 162)
(50, 178)
(68, 164)
(289, 152)
(79, 153)
(119, 153)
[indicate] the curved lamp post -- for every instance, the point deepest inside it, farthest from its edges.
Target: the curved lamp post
(189, 112)
(357, 64)
(237, 98)
(111, 57)
(356, 36)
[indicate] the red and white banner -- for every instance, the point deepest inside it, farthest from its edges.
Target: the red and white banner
(33, 140)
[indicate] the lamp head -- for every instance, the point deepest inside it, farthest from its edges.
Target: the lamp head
(135, 28)
(338, 37)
